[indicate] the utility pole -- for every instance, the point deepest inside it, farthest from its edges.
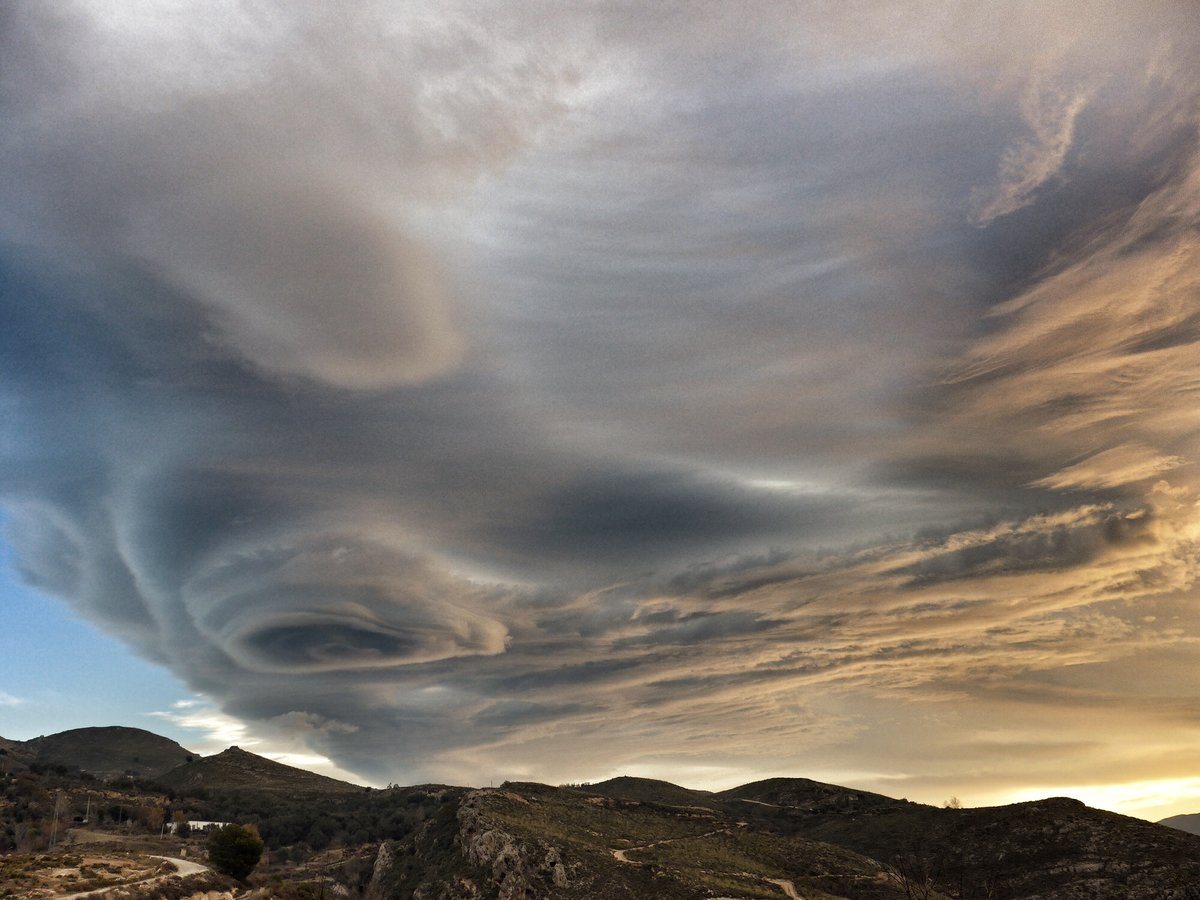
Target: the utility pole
(54, 825)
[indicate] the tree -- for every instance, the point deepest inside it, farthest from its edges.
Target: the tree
(317, 838)
(235, 850)
(151, 817)
(182, 828)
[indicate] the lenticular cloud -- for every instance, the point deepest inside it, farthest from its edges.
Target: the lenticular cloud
(540, 391)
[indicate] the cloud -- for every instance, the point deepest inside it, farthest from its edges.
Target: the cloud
(1030, 163)
(260, 187)
(7, 699)
(216, 730)
(271, 255)
(1112, 468)
(543, 392)
(343, 602)
(288, 739)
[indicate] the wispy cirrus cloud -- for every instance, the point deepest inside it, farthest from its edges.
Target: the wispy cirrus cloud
(1031, 162)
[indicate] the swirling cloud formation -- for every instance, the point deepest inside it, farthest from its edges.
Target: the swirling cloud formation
(545, 391)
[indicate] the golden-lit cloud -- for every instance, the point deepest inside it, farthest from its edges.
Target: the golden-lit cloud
(552, 392)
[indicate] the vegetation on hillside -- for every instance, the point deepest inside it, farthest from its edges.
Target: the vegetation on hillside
(626, 837)
(235, 849)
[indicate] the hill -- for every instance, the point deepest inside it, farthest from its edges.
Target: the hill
(237, 770)
(625, 837)
(810, 796)
(14, 756)
(531, 840)
(649, 790)
(109, 752)
(1189, 822)
(1048, 848)
(620, 839)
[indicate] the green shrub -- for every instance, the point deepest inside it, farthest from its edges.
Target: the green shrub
(235, 850)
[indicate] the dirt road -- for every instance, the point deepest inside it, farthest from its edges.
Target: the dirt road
(184, 867)
(620, 856)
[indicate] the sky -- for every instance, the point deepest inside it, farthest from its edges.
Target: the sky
(467, 391)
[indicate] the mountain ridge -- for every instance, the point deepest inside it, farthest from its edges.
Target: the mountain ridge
(235, 768)
(1189, 822)
(633, 837)
(108, 751)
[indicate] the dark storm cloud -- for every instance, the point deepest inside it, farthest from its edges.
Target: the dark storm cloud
(453, 389)
(628, 517)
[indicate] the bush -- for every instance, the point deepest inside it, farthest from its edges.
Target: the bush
(235, 850)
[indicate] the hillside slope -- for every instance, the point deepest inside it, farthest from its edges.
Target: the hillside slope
(620, 839)
(625, 837)
(109, 751)
(239, 770)
(650, 790)
(14, 757)
(810, 796)
(1189, 822)
(531, 840)
(1054, 848)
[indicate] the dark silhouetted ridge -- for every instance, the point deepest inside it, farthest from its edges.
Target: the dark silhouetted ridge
(805, 794)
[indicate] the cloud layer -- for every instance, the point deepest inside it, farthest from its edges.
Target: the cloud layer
(551, 393)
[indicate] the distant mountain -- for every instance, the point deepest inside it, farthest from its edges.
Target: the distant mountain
(109, 752)
(1189, 822)
(240, 770)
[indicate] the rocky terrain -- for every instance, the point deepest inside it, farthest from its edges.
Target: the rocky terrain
(619, 839)
(626, 837)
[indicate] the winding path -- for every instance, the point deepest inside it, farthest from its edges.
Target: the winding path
(620, 856)
(763, 803)
(782, 883)
(183, 868)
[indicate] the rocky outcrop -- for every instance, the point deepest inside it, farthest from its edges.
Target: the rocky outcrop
(381, 871)
(519, 870)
